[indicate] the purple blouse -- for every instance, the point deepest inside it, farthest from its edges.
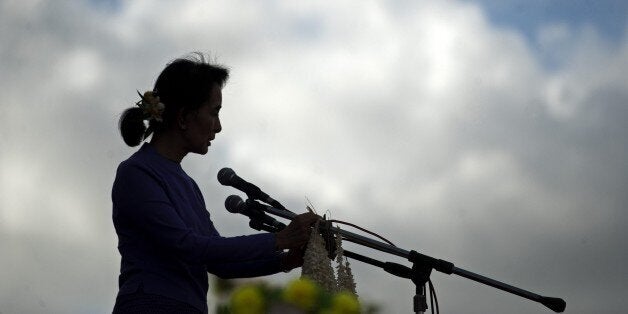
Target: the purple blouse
(166, 238)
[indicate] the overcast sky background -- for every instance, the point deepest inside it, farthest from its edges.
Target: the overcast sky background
(492, 134)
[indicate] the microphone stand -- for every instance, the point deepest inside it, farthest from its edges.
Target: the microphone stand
(422, 266)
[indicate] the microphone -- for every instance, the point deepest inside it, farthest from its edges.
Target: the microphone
(234, 204)
(226, 176)
(259, 226)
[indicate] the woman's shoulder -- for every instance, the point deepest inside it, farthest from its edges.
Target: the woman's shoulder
(134, 175)
(140, 159)
(130, 164)
(137, 166)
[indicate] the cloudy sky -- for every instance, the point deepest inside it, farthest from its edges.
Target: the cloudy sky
(491, 134)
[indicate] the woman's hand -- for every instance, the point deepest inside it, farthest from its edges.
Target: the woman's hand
(292, 259)
(297, 233)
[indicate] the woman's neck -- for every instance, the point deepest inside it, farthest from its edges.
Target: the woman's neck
(169, 146)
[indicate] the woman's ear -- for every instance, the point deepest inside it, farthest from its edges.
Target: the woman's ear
(182, 118)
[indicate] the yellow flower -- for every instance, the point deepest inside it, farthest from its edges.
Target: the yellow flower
(247, 300)
(345, 303)
(302, 293)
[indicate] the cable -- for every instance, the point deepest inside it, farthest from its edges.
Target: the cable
(431, 298)
(362, 229)
(433, 292)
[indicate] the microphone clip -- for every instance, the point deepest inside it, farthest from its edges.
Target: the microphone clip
(254, 206)
(324, 228)
(259, 219)
(259, 225)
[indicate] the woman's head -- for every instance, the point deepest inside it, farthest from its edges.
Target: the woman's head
(184, 86)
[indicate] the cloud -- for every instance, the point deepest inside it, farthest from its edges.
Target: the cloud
(424, 116)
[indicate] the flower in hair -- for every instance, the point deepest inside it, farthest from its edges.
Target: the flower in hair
(152, 106)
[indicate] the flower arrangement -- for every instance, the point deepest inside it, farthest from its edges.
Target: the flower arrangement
(299, 296)
(317, 265)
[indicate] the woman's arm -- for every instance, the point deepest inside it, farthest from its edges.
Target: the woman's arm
(247, 269)
(285, 261)
(141, 202)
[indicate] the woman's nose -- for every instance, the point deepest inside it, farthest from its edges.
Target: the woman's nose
(217, 126)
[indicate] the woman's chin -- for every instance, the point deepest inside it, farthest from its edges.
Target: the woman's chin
(202, 150)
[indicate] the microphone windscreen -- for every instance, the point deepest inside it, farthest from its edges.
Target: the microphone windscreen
(234, 204)
(225, 176)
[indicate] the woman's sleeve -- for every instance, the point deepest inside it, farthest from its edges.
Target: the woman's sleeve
(247, 269)
(139, 198)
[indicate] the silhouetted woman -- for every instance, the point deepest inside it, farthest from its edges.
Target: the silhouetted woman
(166, 238)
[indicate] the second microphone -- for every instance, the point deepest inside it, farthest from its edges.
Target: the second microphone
(235, 204)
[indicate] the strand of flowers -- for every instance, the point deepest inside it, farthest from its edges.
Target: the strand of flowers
(316, 264)
(345, 280)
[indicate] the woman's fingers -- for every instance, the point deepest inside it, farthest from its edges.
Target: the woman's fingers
(297, 233)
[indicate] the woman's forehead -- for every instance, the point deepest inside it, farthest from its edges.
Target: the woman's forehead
(215, 97)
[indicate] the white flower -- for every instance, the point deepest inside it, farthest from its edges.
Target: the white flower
(152, 106)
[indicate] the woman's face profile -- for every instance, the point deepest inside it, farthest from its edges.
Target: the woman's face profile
(202, 126)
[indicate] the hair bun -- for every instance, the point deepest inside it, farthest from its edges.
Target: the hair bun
(132, 126)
